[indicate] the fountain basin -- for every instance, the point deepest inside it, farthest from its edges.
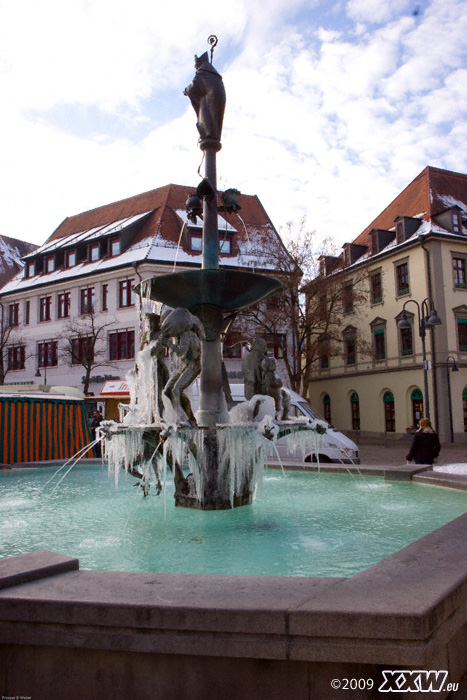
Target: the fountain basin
(205, 637)
(228, 290)
(336, 525)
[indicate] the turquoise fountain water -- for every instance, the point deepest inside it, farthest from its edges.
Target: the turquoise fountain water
(343, 524)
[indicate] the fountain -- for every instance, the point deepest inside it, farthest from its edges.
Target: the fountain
(156, 634)
(225, 460)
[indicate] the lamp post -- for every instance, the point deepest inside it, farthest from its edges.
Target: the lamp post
(427, 318)
(454, 368)
(38, 372)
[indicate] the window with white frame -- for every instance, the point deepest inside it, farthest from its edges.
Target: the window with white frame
(45, 308)
(50, 263)
(70, 258)
(63, 305)
(126, 296)
(87, 300)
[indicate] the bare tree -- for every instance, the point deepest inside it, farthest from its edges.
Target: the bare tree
(310, 325)
(84, 343)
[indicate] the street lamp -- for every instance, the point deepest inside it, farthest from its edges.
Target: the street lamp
(38, 372)
(427, 318)
(454, 368)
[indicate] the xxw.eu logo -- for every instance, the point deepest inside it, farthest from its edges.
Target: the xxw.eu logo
(415, 682)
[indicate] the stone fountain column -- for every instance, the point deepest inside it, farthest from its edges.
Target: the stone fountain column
(213, 407)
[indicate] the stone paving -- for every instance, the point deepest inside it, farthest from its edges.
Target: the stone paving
(393, 452)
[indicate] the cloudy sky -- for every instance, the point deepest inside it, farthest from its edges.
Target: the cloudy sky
(332, 106)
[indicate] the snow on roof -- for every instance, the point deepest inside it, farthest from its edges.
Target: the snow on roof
(89, 234)
(150, 250)
(222, 223)
(157, 238)
(450, 201)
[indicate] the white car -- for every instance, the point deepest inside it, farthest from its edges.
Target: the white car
(333, 446)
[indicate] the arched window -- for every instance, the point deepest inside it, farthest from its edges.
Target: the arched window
(327, 408)
(389, 412)
(355, 410)
(416, 398)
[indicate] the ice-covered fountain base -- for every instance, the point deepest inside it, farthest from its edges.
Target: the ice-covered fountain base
(213, 468)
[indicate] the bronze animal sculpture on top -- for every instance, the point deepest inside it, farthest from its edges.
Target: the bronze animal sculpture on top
(207, 95)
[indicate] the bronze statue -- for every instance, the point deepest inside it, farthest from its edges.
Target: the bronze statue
(272, 382)
(252, 369)
(207, 95)
(185, 358)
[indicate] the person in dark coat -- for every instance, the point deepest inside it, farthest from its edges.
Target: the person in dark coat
(97, 419)
(425, 444)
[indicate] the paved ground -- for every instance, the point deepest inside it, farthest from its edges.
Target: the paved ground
(390, 453)
(393, 453)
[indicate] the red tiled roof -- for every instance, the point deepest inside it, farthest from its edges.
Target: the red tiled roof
(422, 197)
(108, 213)
(431, 192)
(161, 199)
(163, 202)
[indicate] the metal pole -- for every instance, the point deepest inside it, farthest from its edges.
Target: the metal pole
(448, 376)
(425, 369)
(451, 427)
(212, 404)
(210, 227)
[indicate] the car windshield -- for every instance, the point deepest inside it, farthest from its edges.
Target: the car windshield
(310, 411)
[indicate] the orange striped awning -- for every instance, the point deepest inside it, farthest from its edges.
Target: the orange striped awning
(40, 429)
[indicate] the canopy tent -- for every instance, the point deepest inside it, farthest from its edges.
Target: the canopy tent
(37, 429)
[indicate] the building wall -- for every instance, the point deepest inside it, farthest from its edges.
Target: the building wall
(371, 378)
(128, 318)
(42, 331)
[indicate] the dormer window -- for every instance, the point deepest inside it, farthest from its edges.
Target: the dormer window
(400, 232)
(225, 246)
(352, 252)
(94, 252)
(114, 247)
(196, 242)
(70, 258)
(50, 263)
(327, 263)
(456, 221)
(30, 269)
(406, 226)
(347, 257)
(380, 238)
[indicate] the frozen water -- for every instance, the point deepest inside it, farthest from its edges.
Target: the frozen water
(452, 468)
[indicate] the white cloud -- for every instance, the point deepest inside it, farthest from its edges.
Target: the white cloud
(376, 11)
(326, 116)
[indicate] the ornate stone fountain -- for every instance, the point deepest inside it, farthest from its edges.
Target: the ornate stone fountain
(225, 460)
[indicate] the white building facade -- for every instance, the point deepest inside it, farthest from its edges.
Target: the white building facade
(84, 275)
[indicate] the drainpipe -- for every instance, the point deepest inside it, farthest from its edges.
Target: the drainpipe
(433, 343)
